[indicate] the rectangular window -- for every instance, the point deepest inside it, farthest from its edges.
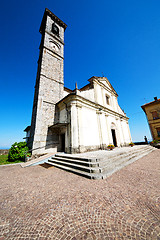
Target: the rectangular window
(158, 131)
(107, 100)
(155, 115)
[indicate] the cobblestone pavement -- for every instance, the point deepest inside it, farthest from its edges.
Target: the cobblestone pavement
(49, 203)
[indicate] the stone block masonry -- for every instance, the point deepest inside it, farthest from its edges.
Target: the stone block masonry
(49, 85)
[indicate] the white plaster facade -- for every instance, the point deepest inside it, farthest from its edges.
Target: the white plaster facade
(90, 120)
(72, 120)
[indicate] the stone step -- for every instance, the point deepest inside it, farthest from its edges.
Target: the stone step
(75, 166)
(102, 175)
(75, 161)
(128, 151)
(90, 167)
(85, 165)
(125, 155)
(95, 168)
(69, 156)
(110, 171)
(84, 161)
(121, 162)
(77, 171)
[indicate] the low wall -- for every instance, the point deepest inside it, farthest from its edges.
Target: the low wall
(4, 151)
(140, 143)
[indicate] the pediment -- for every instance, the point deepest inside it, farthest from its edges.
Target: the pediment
(104, 81)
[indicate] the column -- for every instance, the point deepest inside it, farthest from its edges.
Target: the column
(74, 128)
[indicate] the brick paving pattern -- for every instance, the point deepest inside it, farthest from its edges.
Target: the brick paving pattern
(49, 203)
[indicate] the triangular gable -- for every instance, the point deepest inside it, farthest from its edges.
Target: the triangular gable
(104, 81)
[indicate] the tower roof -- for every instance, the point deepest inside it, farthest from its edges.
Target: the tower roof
(47, 12)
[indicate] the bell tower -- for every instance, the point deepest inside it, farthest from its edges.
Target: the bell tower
(49, 83)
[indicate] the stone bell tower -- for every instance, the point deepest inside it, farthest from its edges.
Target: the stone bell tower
(49, 83)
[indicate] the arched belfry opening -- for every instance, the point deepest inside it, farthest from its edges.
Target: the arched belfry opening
(113, 131)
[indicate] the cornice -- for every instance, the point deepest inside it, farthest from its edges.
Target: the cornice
(99, 80)
(47, 12)
(96, 106)
(112, 91)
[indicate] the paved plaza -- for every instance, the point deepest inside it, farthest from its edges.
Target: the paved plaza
(41, 202)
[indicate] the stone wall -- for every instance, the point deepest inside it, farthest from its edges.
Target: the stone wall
(49, 89)
(4, 151)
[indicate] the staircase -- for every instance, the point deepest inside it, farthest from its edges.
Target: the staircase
(101, 166)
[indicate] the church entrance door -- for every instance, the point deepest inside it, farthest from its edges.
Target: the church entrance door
(63, 142)
(114, 137)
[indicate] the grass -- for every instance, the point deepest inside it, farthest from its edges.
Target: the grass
(4, 160)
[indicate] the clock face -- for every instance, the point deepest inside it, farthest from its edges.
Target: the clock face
(54, 45)
(55, 29)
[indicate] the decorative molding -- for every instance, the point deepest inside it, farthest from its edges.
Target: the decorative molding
(53, 52)
(52, 35)
(78, 106)
(41, 74)
(98, 112)
(95, 106)
(106, 88)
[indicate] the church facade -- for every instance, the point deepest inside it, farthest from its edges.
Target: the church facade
(71, 121)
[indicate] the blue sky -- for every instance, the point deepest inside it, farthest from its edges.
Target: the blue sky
(117, 39)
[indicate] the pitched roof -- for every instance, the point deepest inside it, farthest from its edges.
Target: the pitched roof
(150, 103)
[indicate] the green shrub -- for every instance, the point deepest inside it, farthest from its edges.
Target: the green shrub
(155, 141)
(18, 151)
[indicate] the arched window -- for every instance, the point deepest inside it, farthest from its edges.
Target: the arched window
(55, 29)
